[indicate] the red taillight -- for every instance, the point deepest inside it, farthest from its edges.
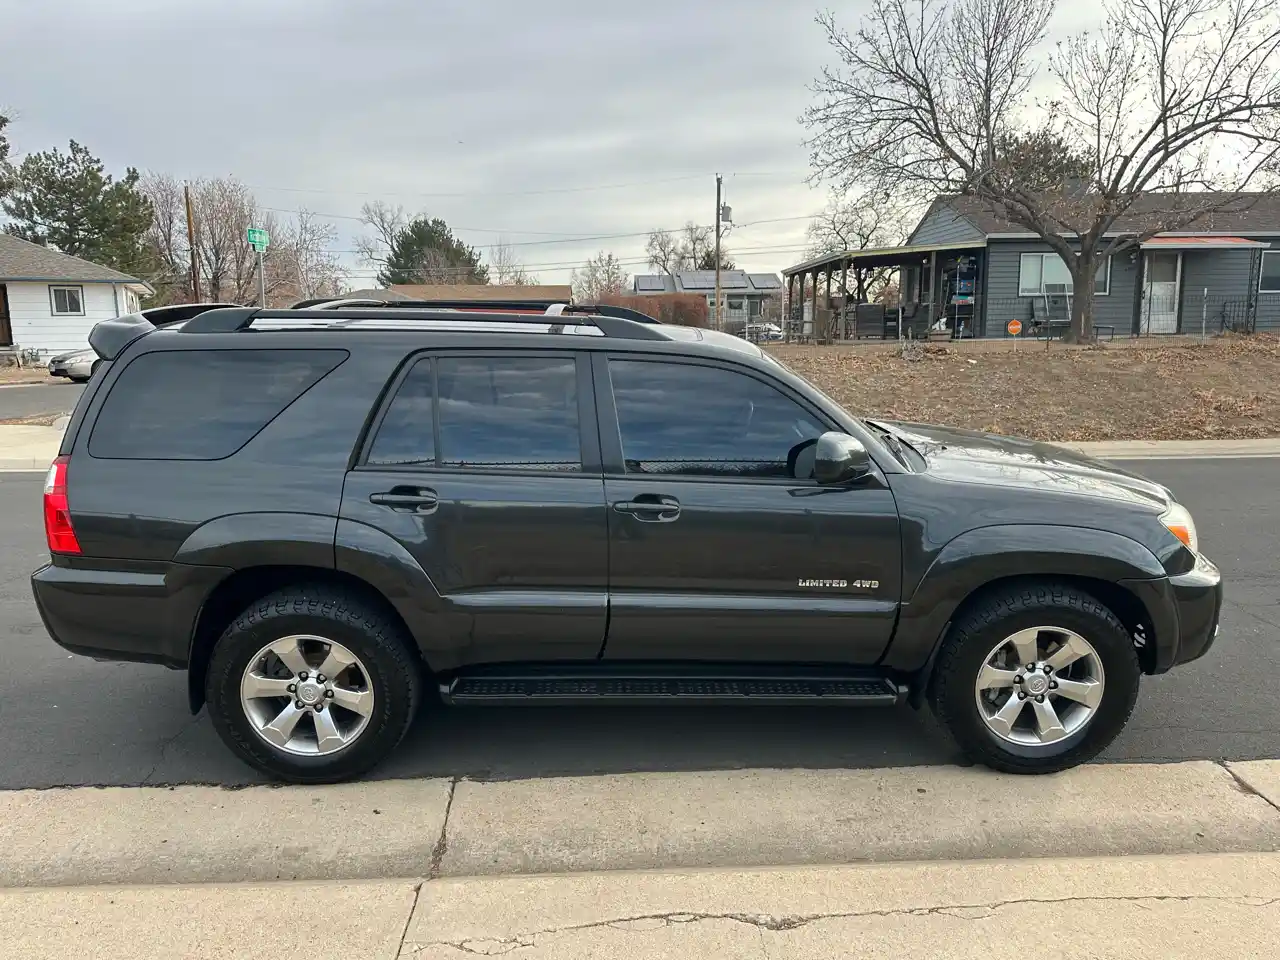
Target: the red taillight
(57, 513)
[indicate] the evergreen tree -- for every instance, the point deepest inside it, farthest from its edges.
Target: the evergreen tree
(426, 251)
(68, 201)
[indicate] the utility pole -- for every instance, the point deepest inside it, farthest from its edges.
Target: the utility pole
(191, 245)
(715, 321)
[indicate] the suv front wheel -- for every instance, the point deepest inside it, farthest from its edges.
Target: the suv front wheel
(312, 685)
(1036, 679)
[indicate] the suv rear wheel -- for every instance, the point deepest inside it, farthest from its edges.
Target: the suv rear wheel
(312, 685)
(1036, 680)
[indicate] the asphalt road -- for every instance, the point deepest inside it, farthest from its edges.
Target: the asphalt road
(57, 396)
(66, 720)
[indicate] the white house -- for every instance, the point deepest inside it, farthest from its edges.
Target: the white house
(49, 301)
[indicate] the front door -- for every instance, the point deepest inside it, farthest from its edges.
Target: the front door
(1163, 272)
(720, 546)
(6, 328)
(485, 467)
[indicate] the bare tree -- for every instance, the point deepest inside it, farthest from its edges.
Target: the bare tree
(856, 222)
(167, 238)
(601, 276)
(1163, 116)
(505, 266)
(666, 252)
(315, 269)
(692, 247)
(385, 221)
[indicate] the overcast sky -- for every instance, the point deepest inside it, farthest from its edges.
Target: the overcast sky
(493, 114)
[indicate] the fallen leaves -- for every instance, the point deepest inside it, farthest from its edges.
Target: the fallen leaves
(1227, 388)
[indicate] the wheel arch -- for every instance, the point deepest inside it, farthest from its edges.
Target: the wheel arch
(242, 587)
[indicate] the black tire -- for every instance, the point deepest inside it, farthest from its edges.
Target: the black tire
(1001, 615)
(393, 671)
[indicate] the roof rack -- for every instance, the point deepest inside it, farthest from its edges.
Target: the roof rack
(235, 319)
(544, 307)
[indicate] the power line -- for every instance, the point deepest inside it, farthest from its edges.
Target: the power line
(520, 193)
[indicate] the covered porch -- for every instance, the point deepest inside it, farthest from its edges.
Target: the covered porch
(939, 294)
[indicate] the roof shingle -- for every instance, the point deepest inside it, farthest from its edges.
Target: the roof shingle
(21, 260)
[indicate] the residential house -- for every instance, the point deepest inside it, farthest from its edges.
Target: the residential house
(970, 270)
(742, 295)
(49, 301)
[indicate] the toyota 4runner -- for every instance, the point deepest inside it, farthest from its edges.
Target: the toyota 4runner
(324, 515)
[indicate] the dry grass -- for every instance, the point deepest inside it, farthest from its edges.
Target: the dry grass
(1228, 388)
(39, 374)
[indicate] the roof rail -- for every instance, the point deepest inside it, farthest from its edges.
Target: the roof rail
(234, 319)
(339, 303)
(609, 310)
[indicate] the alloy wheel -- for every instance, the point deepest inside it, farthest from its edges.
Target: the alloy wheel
(307, 695)
(1039, 686)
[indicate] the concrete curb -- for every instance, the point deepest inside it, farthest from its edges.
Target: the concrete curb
(733, 819)
(1178, 449)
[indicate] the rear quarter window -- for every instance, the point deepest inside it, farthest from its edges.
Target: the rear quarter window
(201, 404)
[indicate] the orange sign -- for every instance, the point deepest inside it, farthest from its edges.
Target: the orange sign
(1015, 327)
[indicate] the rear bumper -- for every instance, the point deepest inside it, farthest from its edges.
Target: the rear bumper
(1185, 610)
(143, 612)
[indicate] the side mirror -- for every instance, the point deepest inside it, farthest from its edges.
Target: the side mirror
(839, 458)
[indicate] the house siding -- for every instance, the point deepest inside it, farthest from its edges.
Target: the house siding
(36, 328)
(1226, 276)
(1003, 302)
(944, 225)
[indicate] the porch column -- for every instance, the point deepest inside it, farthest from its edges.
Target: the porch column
(787, 304)
(813, 305)
(844, 302)
(933, 288)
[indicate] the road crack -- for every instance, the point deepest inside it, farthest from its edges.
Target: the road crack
(642, 923)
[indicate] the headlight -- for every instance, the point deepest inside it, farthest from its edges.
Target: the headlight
(1178, 519)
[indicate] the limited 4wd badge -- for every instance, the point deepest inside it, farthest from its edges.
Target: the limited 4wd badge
(841, 584)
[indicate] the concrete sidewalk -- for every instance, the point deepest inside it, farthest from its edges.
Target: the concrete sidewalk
(25, 448)
(1132, 908)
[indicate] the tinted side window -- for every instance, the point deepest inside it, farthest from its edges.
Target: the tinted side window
(508, 412)
(201, 404)
(407, 432)
(677, 418)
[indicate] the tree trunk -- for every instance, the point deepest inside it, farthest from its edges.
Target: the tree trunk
(1082, 284)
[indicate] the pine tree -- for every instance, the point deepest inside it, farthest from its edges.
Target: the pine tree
(426, 251)
(68, 201)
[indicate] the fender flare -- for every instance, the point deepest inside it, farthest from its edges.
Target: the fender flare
(988, 554)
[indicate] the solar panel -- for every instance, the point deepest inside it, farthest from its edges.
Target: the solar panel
(651, 283)
(765, 281)
(698, 280)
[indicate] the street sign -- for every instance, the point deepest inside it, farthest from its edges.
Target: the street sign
(1014, 328)
(258, 239)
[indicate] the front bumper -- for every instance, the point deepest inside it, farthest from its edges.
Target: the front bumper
(1185, 610)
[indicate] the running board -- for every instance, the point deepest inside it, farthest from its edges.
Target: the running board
(599, 686)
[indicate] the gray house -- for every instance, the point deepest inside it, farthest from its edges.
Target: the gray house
(968, 270)
(742, 295)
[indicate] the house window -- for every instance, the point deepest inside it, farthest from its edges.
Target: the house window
(1269, 282)
(735, 303)
(67, 301)
(1038, 270)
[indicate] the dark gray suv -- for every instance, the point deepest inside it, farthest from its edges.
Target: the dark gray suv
(324, 515)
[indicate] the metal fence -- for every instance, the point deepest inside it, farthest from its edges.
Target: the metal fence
(1190, 313)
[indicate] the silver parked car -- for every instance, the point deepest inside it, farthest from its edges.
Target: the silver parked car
(77, 366)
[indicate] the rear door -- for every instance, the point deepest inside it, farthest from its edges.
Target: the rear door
(485, 466)
(721, 548)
